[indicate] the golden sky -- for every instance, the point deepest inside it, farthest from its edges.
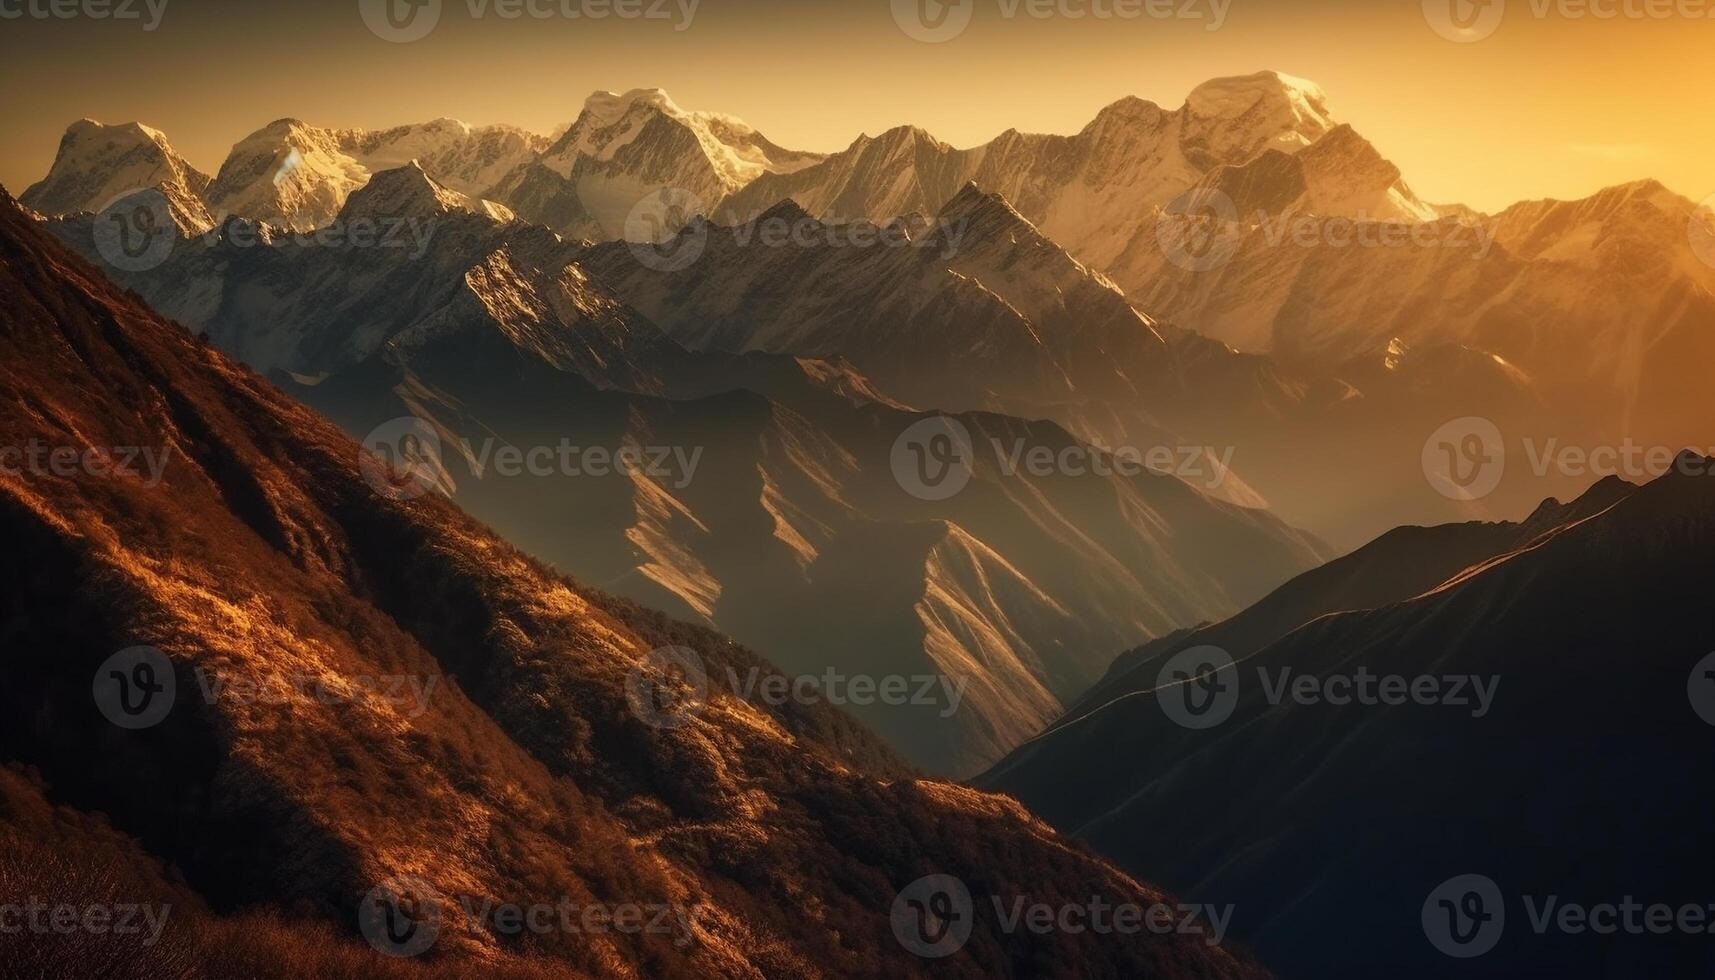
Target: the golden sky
(1556, 105)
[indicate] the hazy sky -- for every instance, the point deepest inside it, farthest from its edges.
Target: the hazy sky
(1555, 105)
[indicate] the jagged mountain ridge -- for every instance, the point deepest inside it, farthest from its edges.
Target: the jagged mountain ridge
(297, 176)
(623, 147)
(1089, 191)
(1035, 332)
(977, 308)
(1100, 192)
(527, 778)
(1603, 303)
(1492, 326)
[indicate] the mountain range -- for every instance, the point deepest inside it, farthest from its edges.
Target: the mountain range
(1295, 301)
(975, 307)
(523, 772)
(1015, 591)
(868, 414)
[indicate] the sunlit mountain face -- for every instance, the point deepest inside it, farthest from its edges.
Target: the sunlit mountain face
(884, 489)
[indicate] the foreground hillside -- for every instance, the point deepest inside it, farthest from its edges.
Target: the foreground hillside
(535, 754)
(1549, 740)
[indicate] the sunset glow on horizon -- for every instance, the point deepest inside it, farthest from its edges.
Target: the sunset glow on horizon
(1485, 123)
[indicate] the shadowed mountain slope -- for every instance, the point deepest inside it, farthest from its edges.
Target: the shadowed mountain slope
(1580, 777)
(771, 508)
(261, 556)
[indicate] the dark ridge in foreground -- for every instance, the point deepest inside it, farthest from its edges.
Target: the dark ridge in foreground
(1583, 774)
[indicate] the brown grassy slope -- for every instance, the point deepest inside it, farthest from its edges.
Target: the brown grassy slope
(527, 779)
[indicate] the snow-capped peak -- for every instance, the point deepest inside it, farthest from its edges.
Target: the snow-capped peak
(409, 192)
(296, 175)
(605, 108)
(98, 163)
(1236, 95)
(731, 150)
(1241, 116)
